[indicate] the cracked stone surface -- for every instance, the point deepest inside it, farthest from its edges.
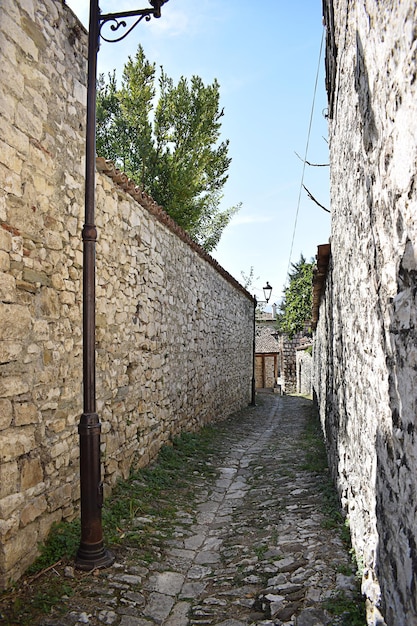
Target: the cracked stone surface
(255, 550)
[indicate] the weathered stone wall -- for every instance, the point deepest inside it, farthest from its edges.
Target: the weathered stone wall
(365, 349)
(265, 370)
(304, 362)
(174, 336)
(174, 331)
(287, 366)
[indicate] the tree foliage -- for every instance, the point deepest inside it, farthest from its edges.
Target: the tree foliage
(295, 308)
(167, 139)
(248, 279)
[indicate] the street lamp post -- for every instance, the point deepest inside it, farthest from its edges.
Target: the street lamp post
(253, 395)
(91, 553)
(267, 294)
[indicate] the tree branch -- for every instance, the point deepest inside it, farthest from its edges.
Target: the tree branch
(312, 164)
(314, 200)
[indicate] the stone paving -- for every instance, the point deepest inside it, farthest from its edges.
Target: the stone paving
(255, 550)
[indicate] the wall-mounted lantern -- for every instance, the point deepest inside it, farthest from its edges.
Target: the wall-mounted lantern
(267, 291)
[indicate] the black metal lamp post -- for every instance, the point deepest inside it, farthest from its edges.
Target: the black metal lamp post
(91, 553)
(253, 395)
(267, 294)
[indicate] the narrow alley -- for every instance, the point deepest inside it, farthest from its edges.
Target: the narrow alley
(259, 547)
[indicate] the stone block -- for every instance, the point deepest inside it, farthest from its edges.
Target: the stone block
(13, 386)
(9, 504)
(50, 303)
(31, 473)
(67, 297)
(9, 477)
(46, 522)
(9, 527)
(33, 510)
(17, 34)
(7, 287)
(4, 261)
(11, 181)
(15, 322)
(33, 30)
(32, 276)
(40, 330)
(10, 158)
(8, 49)
(5, 240)
(15, 139)
(6, 413)
(27, 122)
(17, 548)
(58, 449)
(53, 241)
(22, 285)
(25, 413)
(80, 92)
(59, 497)
(57, 282)
(15, 443)
(9, 351)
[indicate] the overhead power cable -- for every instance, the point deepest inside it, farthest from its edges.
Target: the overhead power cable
(305, 155)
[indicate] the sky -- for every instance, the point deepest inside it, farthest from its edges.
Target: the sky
(266, 57)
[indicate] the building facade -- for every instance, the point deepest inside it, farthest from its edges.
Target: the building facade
(365, 352)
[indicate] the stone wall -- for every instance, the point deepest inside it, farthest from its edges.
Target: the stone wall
(174, 330)
(265, 365)
(365, 347)
(288, 366)
(304, 362)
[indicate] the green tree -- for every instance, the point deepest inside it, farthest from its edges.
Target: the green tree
(169, 145)
(295, 308)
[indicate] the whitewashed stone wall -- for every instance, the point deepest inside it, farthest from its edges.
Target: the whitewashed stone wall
(366, 341)
(304, 362)
(174, 331)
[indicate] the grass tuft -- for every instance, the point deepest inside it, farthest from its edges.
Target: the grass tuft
(349, 611)
(140, 513)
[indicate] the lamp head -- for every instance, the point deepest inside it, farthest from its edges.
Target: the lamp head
(267, 291)
(157, 4)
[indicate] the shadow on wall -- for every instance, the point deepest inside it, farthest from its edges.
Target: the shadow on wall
(369, 131)
(335, 422)
(396, 449)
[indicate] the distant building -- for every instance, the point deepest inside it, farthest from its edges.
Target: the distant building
(267, 357)
(275, 356)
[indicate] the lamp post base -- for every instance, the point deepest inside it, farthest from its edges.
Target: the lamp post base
(93, 557)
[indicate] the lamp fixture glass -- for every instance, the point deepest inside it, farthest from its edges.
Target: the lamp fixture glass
(267, 291)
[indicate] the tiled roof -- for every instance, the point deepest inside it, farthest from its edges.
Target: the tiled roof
(147, 202)
(265, 341)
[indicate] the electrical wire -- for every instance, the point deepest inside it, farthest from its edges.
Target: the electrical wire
(305, 155)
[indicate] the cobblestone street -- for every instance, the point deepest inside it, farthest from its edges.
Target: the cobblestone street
(257, 549)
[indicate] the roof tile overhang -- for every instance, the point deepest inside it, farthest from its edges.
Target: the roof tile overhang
(319, 279)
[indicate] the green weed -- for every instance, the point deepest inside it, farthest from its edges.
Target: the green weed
(260, 551)
(151, 495)
(62, 543)
(350, 611)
